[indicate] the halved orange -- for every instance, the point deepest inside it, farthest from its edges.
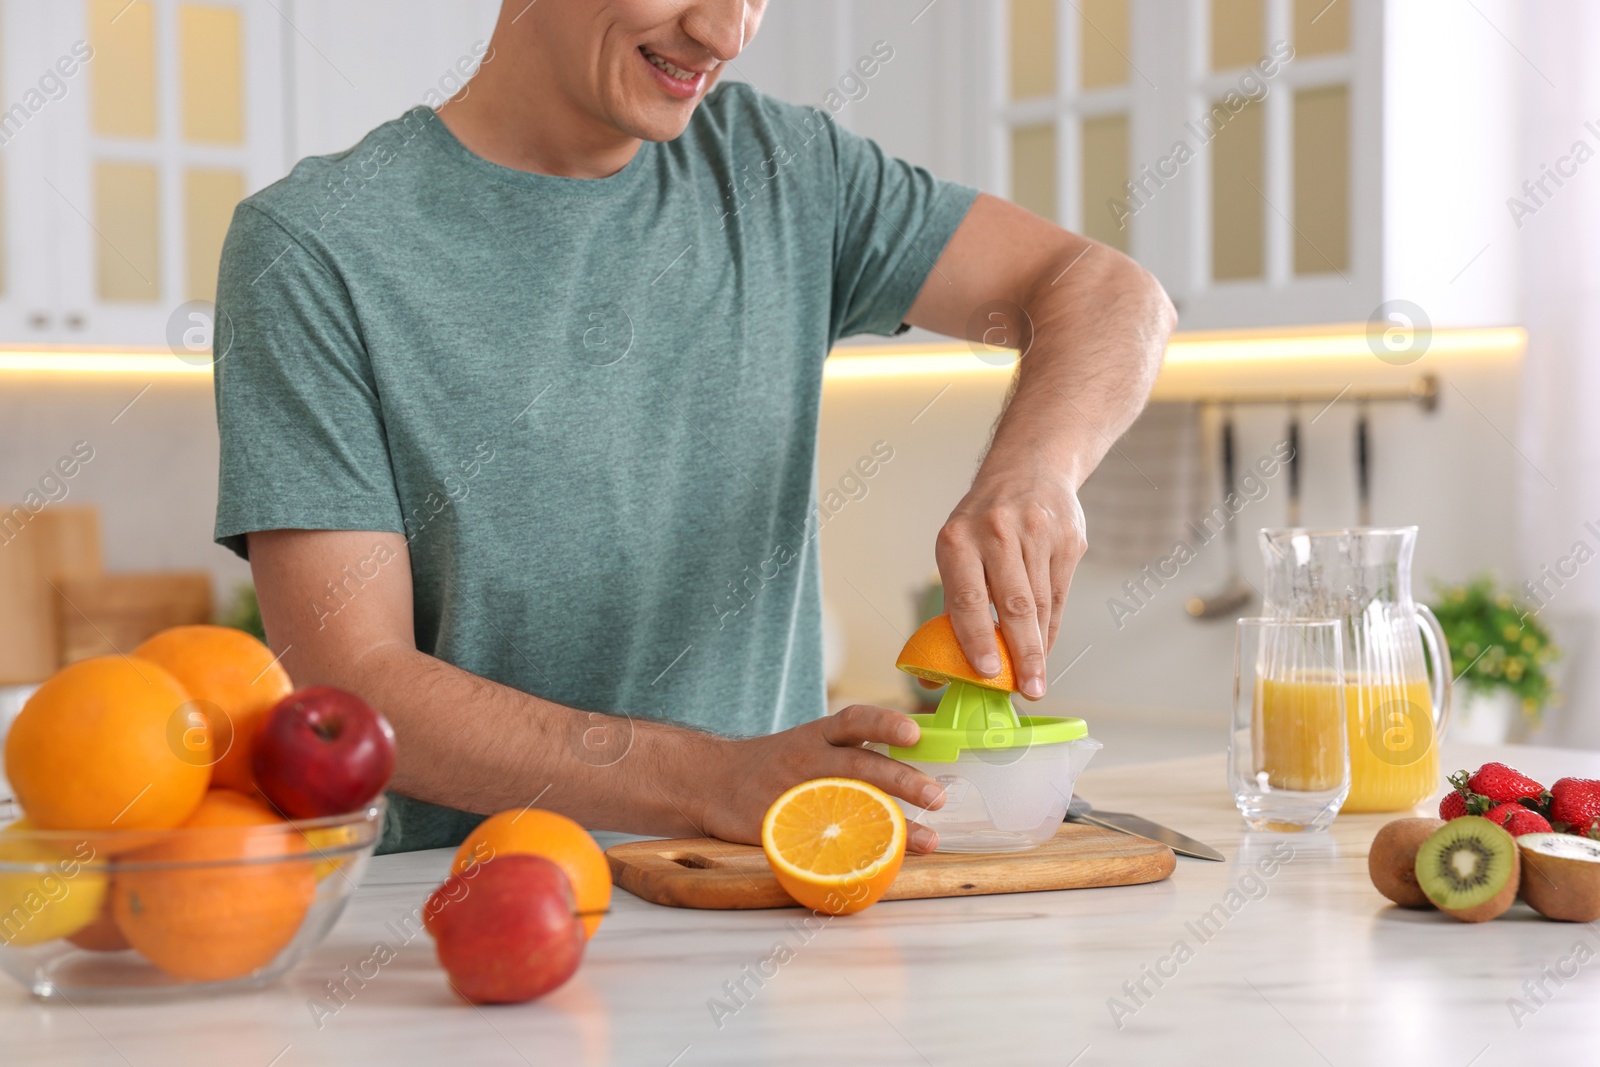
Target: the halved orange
(934, 653)
(835, 844)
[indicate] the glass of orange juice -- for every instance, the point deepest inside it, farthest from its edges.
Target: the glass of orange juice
(1289, 751)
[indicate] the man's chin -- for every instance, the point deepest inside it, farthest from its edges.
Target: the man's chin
(657, 124)
(655, 118)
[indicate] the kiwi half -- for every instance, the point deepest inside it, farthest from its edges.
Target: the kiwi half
(1392, 860)
(1469, 868)
(1561, 878)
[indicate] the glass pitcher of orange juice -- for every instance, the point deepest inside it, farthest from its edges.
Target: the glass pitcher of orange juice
(1395, 712)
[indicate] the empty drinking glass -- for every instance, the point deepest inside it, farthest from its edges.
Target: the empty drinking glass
(1289, 751)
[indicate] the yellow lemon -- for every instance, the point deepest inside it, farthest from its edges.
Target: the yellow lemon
(327, 844)
(58, 893)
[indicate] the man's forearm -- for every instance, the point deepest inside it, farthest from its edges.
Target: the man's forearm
(469, 743)
(1100, 325)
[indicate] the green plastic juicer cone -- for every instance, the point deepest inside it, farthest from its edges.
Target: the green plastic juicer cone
(975, 718)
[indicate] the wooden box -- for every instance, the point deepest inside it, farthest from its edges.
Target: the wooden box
(39, 550)
(113, 613)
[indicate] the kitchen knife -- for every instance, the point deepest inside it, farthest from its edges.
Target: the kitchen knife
(1080, 810)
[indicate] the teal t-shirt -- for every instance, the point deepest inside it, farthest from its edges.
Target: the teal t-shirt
(590, 405)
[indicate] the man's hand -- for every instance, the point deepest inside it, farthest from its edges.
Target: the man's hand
(1096, 325)
(1015, 538)
(760, 769)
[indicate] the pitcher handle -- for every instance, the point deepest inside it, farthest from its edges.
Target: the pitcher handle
(1439, 654)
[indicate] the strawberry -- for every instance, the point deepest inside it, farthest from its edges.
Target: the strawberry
(1502, 784)
(1575, 805)
(1463, 801)
(1453, 806)
(1517, 819)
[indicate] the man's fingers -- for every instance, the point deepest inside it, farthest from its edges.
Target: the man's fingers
(862, 723)
(966, 598)
(895, 778)
(1019, 622)
(1036, 559)
(1061, 568)
(1063, 565)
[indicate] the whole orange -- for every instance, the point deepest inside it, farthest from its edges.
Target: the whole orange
(239, 899)
(228, 670)
(94, 749)
(529, 831)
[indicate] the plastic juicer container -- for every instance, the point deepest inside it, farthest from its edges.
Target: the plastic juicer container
(1007, 778)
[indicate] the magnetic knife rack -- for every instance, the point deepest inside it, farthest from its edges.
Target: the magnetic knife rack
(1423, 392)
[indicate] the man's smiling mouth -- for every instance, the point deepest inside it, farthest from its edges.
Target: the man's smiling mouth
(671, 69)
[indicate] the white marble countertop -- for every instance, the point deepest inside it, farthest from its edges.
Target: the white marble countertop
(1305, 966)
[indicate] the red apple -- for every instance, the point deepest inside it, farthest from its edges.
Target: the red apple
(322, 751)
(507, 930)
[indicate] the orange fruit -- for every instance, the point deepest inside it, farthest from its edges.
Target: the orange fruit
(835, 844)
(238, 899)
(557, 838)
(228, 670)
(95, 748)
(934, 653)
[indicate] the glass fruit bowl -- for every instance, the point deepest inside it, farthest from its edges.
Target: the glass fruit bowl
(159, 914)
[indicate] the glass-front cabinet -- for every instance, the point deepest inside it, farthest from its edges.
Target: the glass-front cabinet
(133, 129)
(1230, 145)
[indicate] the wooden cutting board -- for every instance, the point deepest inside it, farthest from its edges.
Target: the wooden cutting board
(699, 872)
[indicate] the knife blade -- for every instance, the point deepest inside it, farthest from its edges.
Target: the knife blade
(1081, 810)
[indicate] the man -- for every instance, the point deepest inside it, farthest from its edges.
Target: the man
(518, 389)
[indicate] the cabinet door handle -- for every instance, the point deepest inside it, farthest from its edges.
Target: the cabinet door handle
(39, 320)
(75, 320)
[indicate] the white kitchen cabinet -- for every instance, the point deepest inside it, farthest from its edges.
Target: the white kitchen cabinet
(1425, 90)
(1232, 146)
(125, 183)
(116, 190)
(27, 254)
(1377, 156)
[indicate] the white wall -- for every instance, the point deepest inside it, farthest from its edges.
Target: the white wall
(154, 472)
(1561, 299)
(1451, 120)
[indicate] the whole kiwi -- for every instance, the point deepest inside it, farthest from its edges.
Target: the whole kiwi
(1392, 860)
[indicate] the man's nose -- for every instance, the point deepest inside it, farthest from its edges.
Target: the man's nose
(718, 25)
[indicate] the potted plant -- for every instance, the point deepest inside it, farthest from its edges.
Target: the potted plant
(1501, 655)
(245, 613)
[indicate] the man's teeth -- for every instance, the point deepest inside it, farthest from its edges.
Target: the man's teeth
(671, 69)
